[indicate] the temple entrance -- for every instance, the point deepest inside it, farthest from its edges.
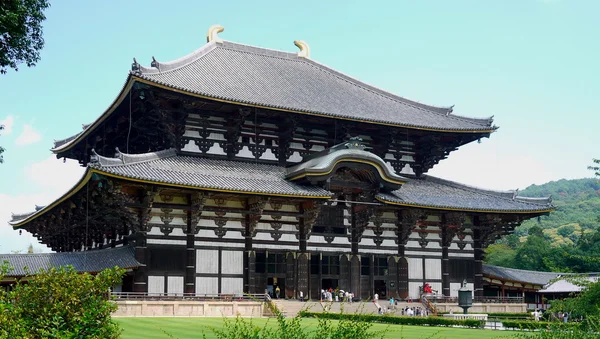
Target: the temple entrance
(326, 284)
(272, 284)
(380, 288)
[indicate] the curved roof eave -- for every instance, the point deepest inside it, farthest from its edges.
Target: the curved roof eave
(90, 127)
(78, 186)
(166, 86)
(466, 209)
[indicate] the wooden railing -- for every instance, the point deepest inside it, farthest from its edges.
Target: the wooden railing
(428, 305)
(187, 296)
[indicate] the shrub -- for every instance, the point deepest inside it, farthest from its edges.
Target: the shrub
(587, 329)
(60, 303)
(395, 320)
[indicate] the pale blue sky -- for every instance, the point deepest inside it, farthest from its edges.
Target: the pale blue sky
(533, 64)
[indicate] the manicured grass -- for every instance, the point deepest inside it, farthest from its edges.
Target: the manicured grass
(192, 328)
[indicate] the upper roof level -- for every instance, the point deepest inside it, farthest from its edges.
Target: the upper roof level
(229, 71)
(233, 73)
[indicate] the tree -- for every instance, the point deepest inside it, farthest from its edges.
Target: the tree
(21, 35)
(596, 167)
(60, 303)
(1, 148)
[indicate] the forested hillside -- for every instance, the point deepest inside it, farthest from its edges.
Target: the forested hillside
(568, 240)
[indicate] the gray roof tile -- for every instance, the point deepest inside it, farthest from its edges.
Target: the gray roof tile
(513, 274)
(169, 168)
(429, 191)
(282, 80)
(87, 261)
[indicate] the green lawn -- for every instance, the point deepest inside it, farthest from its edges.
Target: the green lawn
(188, 328)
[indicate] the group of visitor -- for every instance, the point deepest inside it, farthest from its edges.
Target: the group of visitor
(341, 295)
(415, 311)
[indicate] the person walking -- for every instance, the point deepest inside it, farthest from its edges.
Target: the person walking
(277, 291)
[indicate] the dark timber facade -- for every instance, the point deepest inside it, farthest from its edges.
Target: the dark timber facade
(238, 168)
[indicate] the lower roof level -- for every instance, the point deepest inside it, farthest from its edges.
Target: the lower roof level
(167, 168)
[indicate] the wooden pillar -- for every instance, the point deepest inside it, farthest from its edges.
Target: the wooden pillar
(445, 260)
(303, 278)
(478, 256)
(140, 275)
(355, 275)
(249, 259)
(371, 274)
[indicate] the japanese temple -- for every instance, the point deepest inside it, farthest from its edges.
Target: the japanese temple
(237, 169)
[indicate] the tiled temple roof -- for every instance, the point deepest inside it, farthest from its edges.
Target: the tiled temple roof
(516, 275)
(169, 168)
(86, 261)
(437, 193)
(282, 80)
(254, 76)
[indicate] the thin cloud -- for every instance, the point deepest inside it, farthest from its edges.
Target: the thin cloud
(8, 123)
(54, 178)
(28, 136)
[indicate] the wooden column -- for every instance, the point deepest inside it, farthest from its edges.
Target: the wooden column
(140, 275)
(452, 224)
(445, 260)
(249, 259)
(355, 275)
(309, 210)
(478, 257)
(195, 206)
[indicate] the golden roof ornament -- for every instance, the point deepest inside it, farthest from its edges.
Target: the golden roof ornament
(213, 33)
(304, 49)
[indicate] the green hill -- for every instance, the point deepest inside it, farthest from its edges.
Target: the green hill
(567, 240)
(577, 204)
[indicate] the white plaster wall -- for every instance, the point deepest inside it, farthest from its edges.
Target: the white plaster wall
(433, 268)
(205, 285)
(461, 255)
(232, 285)
(207, 261)
(221, 244)
(175, 285)
(216, 149)
(415, 268)
(413, 290)
(156, 284)
(166, 242)
(232, 262)
(419, 253)
(454, 287)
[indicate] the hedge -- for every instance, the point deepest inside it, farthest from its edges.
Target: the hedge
(536, 325)
(387, 319)
(503, 315)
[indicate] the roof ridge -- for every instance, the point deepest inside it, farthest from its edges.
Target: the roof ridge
(123, 159)
(169, 66)
(508, 195)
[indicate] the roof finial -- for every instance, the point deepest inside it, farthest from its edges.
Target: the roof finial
(135, 67)
(213, 33)
(155, 63)
(304, 49)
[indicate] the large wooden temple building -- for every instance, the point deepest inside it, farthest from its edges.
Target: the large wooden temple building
(238, 169)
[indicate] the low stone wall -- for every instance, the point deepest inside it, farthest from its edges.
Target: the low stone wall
(467, 316)
(164, 308)
(484, 308)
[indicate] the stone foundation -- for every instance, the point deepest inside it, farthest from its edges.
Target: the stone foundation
(149, 308)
